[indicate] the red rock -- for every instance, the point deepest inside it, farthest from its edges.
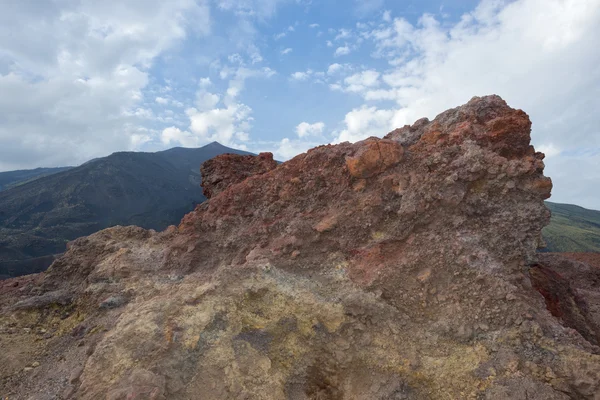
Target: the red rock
(228, 169)
(373, 157)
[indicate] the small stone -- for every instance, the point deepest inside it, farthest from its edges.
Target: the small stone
(35, 364)
(511, 297)
(74, 377)
(27, 369)
(113, 302)
(68, 392)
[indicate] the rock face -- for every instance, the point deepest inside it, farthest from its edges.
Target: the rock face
(226, 170)
(395, 268)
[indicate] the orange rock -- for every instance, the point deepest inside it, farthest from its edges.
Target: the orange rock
(373, 157)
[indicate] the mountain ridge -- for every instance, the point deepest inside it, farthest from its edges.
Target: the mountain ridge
(152, 190)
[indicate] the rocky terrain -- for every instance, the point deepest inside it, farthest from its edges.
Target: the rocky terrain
(151, 190)
(394, 268)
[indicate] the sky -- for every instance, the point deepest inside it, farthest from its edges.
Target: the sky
(81, 79)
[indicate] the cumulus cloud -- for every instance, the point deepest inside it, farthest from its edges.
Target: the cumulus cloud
(364, 122)
(362, 81)
(289, 148)
(72, 87)
(228, 125)
(286, 51)
(333, 68)
(301, 76)
(305, 129)
(539, 55)
(175, 136)
(342, 51)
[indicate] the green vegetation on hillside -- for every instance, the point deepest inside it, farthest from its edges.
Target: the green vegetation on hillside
(151, 190)
(572, 229)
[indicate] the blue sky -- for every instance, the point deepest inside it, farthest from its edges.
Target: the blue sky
(81, 79)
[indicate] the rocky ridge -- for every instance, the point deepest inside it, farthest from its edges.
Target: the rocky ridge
(394, 268)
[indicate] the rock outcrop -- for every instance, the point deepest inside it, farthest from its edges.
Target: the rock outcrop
(226, 170)
(395, 268)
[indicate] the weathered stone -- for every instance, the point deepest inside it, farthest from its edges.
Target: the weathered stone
(373, 157)
(226, 170)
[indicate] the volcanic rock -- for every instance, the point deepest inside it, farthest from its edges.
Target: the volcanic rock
(395, 268)
(228, 169)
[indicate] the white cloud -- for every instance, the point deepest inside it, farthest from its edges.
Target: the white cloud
(314, 26)
(329, 43)
(343, 34)
(342, 51)
(549, 149)
(289, 148)
(72, 87)
(364, 122)
(280, 35)
(228, 125)
(206, 100)
(305, 129)
(204, 82)
(362, 81)
(333, 68)
(175, 136)
(301, 76)
(286, 51)
(161, 100)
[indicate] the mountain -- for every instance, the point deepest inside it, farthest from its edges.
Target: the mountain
(151, 190)
(572, 229)
(394, 268)
(14, 178)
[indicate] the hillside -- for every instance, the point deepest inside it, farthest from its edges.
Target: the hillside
(14, 178)
(151, 190)
(572, 229)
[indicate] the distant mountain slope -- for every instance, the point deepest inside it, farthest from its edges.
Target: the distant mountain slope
(14, 178)
(151, 190)
(572, 229)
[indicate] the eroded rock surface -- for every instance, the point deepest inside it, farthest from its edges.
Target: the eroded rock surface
(394, 268)
(228, 169)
